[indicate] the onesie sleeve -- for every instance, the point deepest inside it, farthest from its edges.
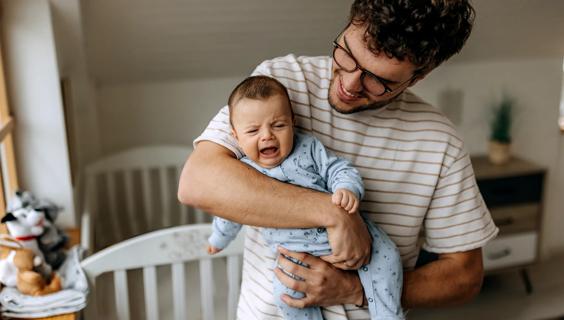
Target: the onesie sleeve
(337, 172)
(224, 231)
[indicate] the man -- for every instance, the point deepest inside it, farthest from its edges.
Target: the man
(416, 172)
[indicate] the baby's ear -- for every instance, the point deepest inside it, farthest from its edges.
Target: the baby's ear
(234, 133)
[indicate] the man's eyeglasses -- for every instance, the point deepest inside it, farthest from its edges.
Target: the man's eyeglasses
(370, 82)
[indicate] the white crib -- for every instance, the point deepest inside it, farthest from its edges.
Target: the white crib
(172, 248)
(133, 192)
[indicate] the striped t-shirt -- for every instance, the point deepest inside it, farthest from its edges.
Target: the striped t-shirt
(416, 172)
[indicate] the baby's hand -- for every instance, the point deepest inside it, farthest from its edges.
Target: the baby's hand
(212, 249)
(345, 199)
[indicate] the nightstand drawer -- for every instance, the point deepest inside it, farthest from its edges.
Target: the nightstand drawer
(511, 190)
(516, 218)
(510, 251)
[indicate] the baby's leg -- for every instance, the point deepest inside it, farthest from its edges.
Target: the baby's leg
(382, 278)
(290, 313)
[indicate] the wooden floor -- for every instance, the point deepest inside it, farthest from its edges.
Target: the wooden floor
(503, 296)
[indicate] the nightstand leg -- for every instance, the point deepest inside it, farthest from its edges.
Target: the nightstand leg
(526, 281)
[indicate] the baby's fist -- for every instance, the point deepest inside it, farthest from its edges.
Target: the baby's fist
(345, 199)
(212, 249)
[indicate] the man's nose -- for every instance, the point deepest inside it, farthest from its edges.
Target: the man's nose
(352, 81)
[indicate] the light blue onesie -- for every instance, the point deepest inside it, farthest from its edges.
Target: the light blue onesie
(310, 165)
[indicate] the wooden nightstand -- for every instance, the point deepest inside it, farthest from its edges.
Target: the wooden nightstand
(513, 193)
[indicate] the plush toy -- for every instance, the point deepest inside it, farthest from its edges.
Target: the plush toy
(25, 225)
(30, 282)
(8, 270)
(53, 240)
(17, 270)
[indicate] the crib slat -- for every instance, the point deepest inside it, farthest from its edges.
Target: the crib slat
(206, 289)
(233, 282)
(179, 291)
(122, 296)
(165, 204)
(151, 294)
(183, 208)
(115, 226)
(130, 202)
(88, 229)
(200, 215)
(148, 198)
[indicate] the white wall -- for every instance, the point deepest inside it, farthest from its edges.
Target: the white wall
(159, 113)
(70, 45)
(536, 87)
(35, 99)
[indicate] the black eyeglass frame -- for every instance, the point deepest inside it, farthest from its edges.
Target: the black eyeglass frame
(365, 72)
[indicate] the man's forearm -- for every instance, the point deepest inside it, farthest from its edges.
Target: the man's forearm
(215, 181)
(453, 279)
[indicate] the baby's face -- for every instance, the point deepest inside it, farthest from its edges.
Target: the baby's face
(264, 129)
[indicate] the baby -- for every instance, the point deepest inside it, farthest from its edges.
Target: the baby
(262, 122)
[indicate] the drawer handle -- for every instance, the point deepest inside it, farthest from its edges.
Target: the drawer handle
(504, 222)
(500, 254)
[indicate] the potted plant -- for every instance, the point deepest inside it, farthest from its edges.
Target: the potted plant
(500, 138)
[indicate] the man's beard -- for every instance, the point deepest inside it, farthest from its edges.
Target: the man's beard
(371, 106)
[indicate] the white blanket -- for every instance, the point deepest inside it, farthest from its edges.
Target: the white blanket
(71, 299)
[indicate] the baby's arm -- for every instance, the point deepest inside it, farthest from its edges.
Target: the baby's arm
(224, 231)
(342, 178)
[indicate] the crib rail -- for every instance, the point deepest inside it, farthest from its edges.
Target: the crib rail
(172, 247)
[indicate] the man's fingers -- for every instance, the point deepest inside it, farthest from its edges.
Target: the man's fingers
(340, 265)
(295, 303)
(332, 259)
(300, 256)
(289, 281)
(291, 267)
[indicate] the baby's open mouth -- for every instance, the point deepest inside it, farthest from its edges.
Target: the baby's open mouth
(268, 151)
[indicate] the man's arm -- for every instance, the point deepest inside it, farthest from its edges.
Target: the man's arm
(452, 279)
(215, 181)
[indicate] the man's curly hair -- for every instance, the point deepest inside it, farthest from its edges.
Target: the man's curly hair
(426, 32)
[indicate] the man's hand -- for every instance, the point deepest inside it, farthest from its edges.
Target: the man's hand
(350, 241)
(323, 284)
(345, 199)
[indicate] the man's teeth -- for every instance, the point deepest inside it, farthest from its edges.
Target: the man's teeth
(348, 93)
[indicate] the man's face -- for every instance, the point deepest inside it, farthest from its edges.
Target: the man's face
(264, 129)
(346, 92)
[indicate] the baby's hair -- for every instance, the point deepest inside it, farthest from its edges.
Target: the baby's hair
(259, 88)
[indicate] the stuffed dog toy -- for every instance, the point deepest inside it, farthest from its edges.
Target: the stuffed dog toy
(53, 240)
(25, 225)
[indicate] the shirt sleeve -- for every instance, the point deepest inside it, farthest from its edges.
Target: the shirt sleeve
(219, 128)
(457, 219)
(337, 172)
